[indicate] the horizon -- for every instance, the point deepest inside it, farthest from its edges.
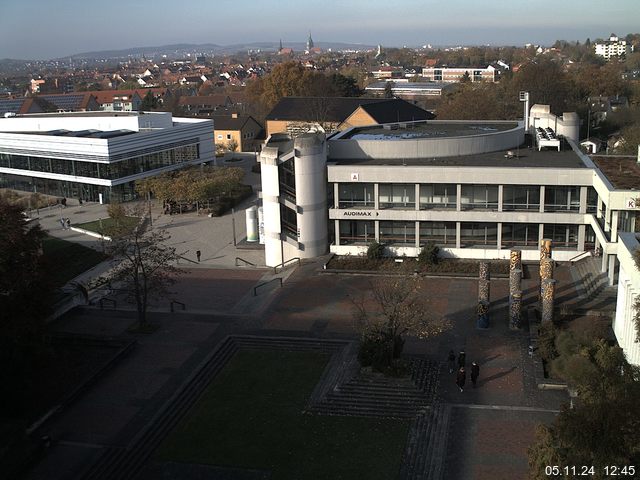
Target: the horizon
(410, 23)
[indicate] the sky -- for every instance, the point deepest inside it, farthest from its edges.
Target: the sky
(43, 29)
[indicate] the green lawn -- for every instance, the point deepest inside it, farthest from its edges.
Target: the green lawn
(105, 224)
(66, 260)
(251, 417)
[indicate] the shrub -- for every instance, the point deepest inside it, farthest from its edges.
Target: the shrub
(429, 254)
(375, 251)
(378, 351)
(546, 342)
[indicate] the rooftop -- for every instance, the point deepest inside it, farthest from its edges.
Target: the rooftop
(429, 129)
(622, 172)
(523, 157)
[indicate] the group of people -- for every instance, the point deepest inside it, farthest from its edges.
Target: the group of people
(66, 223)
(461, 376)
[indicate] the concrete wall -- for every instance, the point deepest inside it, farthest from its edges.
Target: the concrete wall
(628, 291)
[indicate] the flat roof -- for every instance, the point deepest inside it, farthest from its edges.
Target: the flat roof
(622, 171)
(428, 129)
(522, 158)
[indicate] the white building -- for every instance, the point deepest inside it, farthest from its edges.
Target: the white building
(475, 188)
(97, 156)
(614, 47)
(628, 291)
(455, 74)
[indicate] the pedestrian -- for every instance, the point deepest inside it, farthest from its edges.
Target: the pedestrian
(68, 223)
(461, 377)
(462, 358)
(198, 255)
(475, 371)
(62, 222)
(64, 202)
(451, 359)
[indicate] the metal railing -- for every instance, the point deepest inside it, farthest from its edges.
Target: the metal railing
(255, 289)
(246, 262)
(176, 302)
(580, 256)
(102, 301)
(284, 264)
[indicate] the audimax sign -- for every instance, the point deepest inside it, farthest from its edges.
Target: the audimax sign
(360, 213)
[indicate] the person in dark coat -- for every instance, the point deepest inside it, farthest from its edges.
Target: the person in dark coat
(462, 358)
(451, 359)
(461, 377)
(475, 371)
(198, 254)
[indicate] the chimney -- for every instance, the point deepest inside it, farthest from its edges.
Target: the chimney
(235, 115)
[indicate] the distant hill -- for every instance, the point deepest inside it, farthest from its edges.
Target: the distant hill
(211, 48)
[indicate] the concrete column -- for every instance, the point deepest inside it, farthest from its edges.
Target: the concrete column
(541, 199)
(458, 199)
(376, 200)
(548, 297)
(377, 227)
(582, 233)
(500, 198)
(607, 220)
(612, 269)
(540, 232)
(336, 195)
(614, 225)
(515, 310)
(599, 208)
(417, 234)
(483, 315)
(337, 231)
(499, 235)
(484, 271)
(458, 234)
(417, 195)
(583, 200)
(515, 281)
(603, 265)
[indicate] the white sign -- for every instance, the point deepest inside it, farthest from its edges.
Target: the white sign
(631, 203)
(355, 177)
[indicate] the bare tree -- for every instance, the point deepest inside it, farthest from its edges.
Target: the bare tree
(396, 307)
(144, 263)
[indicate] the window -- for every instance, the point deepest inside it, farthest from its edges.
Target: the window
(287, 178)
(438, 196)
(358, 232)
(483, 197)
(478, 234)
(398, 233)
(441, 233)
(592, 200)
(520, 234)
(219, 136)
(402, 195)
(356, 195)
(289, 222)
(228, 136)
(562, 235)
(520, 197)
(561, 199)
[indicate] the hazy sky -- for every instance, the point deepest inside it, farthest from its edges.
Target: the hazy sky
(40, 29)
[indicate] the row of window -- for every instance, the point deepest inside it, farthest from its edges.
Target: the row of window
(445, 196)
(484, 234)
(108, 171)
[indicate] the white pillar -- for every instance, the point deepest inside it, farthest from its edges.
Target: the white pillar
(542, 200)
(612, 269)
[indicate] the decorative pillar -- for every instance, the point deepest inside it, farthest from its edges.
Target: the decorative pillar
(515, 260)
(548, 297)
(515, 310)
(545, 248)
(483, 314)
(515, 281)
(484, 271)
(546, 269)
(483, 291)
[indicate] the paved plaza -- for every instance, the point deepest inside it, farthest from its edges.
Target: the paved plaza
(490, 427)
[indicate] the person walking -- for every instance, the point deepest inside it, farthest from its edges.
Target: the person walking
(475, 371)
(462, 359)
(451, 359)
(198, 253)
(461, 377)
(62, 222)
(68, 223)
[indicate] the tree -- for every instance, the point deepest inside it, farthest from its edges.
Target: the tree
(144, 264)
(429, 254)
(396, 307)
(232, 145)
(149, 102)
(388, 90)
(603, 428)
(24, 304)
(375, 251)
(466, 78)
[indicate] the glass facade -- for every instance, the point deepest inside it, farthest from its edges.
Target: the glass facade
(562, 235)
(397, 195)
(289, 222)
(480, 234)
(521, 197)
(441, 233)
(354, 232)
(398, 233)
(287, 179)
(356, 195)
(438, 195)
(561, 199)
(482, 197)
(107, 171)
(520, 234)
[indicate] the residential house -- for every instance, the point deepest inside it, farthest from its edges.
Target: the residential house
(242, 130)
(205, 104)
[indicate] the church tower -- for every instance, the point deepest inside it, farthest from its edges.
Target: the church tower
(309, 43)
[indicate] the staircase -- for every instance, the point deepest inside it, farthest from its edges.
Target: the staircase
(596, 296)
